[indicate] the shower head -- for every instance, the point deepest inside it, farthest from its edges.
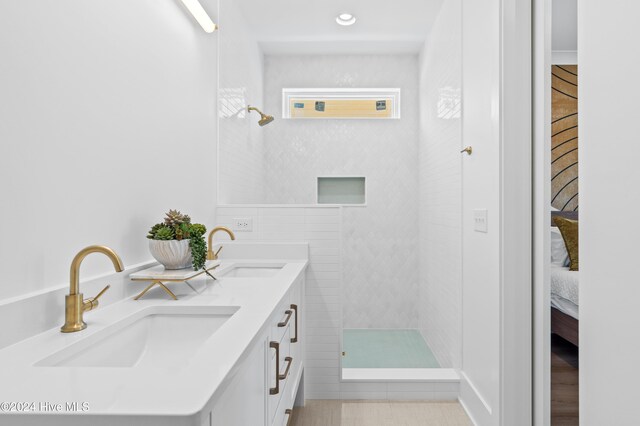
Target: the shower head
(264, 118)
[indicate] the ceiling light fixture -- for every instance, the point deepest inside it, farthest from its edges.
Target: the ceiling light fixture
(346, 19)
(201, 15)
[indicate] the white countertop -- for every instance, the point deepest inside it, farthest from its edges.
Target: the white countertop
(174, 390)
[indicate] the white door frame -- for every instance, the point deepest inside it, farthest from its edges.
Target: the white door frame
(542, 60)
(516, 213)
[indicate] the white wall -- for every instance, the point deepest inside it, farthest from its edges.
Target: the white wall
(440, 170)
(609, 151)
(241, 146)
(480, 387)
(564, 32)
(108, 119)
(380, 240)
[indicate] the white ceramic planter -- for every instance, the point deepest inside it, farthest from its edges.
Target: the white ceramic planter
(172, 254)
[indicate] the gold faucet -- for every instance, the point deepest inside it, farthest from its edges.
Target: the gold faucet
(210, 254)
(75, 306)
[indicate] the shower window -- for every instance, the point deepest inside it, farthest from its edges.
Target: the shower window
(341, 103)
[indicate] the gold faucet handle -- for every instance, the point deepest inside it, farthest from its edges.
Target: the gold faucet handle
(211, 255)
(92, 302)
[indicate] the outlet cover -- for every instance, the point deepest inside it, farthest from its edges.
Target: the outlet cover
(243, 224)
(480, 220)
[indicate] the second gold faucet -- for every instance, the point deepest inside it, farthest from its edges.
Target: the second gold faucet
(211, 255)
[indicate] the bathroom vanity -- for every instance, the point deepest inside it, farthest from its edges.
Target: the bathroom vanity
(227, 352)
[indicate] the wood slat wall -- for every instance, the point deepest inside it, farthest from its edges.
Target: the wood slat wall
(564, 139)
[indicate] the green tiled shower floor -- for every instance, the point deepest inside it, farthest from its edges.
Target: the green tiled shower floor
(370, 348)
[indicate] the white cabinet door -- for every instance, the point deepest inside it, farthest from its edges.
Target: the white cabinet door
(242, 403)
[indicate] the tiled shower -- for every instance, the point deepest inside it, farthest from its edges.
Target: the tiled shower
(390, 282)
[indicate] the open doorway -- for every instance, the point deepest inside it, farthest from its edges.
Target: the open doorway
(564, 220)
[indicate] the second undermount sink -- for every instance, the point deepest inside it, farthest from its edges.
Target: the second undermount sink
(159, 337)
(253, 271)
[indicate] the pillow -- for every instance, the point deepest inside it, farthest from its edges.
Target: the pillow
(559, 253)
(569, 230)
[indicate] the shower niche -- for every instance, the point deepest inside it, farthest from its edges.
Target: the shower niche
(342, 190)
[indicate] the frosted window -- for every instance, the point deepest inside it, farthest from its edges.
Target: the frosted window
(341, 103)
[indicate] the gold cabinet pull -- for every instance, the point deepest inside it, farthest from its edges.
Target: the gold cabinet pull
(295, 338)
(286, 320)
(468, 150)
(284, 375)
(276, 346)
(289, 412)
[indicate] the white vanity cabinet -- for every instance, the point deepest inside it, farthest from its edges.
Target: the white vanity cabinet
(242, 401)
(286, 362)
(264, 387)
(206, 359)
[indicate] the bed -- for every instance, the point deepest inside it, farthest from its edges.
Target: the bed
(564, 294)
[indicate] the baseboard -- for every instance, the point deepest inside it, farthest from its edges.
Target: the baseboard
(466, 410)
(429, 375)
(478, 410)
(564, 57)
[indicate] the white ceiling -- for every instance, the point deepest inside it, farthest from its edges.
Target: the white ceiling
(309, 26)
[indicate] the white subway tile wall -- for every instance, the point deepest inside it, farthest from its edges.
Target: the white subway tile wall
(321, 228)
(440, 303)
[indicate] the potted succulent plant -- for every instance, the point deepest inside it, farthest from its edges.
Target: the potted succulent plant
(177, 243)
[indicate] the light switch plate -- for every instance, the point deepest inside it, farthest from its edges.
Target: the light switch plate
(242, 224)
(480, 220)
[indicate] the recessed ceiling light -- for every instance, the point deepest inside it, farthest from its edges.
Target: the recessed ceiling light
(346, 19)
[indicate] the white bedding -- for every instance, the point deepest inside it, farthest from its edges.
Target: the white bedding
(564, 290)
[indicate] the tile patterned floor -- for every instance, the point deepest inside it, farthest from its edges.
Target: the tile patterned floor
(379, 413)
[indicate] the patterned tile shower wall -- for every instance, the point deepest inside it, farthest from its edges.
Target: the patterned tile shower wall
(240, 144)
(564, 137)
(380, 243)
(441, 187)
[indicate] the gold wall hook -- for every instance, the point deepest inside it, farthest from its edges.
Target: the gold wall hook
(468, 150)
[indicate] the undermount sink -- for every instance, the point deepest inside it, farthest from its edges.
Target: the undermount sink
(252, 271)
(160, 337)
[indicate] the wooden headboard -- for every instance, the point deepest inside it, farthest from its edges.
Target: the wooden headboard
(566, 214)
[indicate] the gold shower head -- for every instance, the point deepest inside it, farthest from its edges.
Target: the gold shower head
(264, 118)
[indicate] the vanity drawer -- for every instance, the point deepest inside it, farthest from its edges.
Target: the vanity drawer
(285, 409)
(284, 351)
(281, 320)
(286, 329)
(278, 381)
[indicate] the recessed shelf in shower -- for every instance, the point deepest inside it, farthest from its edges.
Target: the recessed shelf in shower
(342, 190)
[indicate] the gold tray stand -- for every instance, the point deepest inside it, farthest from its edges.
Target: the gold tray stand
(153, 284)
(164, 287)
